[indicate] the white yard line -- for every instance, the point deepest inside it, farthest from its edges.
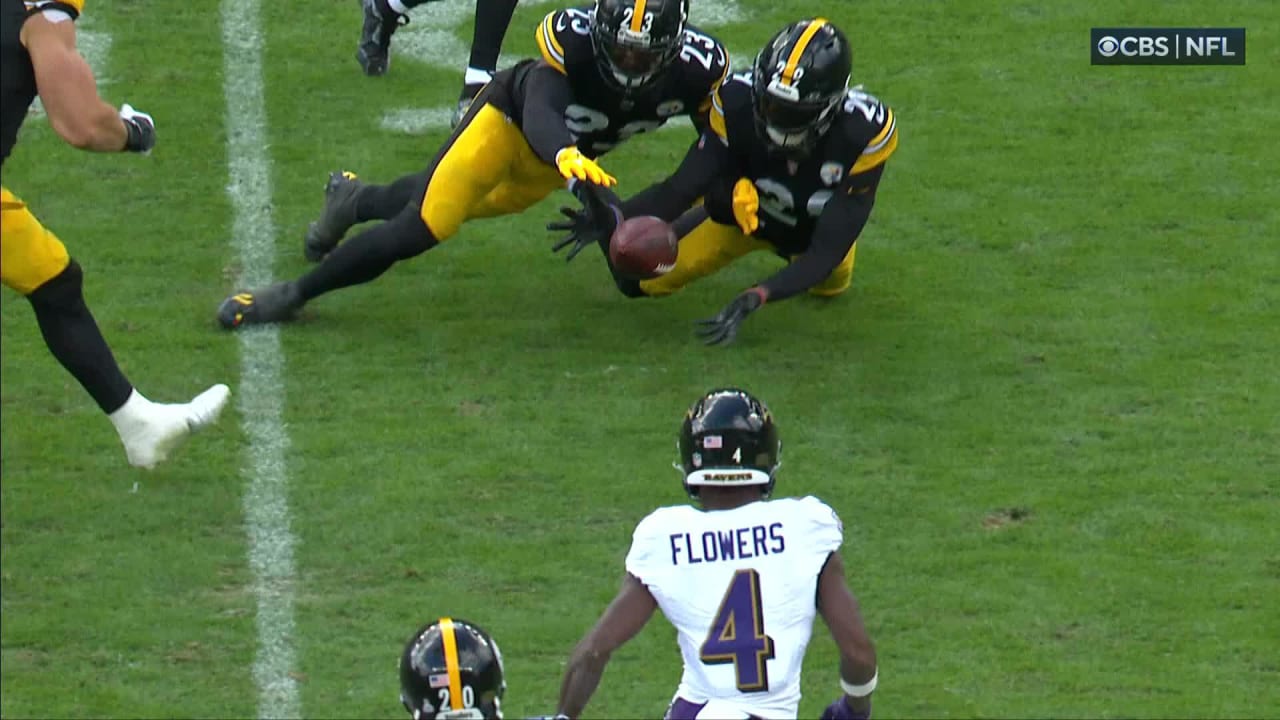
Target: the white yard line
(261, 392)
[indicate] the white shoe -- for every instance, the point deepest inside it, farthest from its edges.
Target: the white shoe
(150, 431)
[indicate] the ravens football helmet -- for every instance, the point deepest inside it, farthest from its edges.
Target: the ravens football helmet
(728, 438)
(799, 81)
(635, 40)
(452, 670)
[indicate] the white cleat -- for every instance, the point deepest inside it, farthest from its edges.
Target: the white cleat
(150, 431)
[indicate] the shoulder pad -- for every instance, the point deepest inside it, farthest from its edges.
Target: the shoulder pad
(731, 97)
(657, 522)
(704, 59)
(871, 124)
(561, 36)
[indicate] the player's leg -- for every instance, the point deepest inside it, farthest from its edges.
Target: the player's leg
(485, 153)
(705, 247)
(493, 17)
(838, 281)
(36, 264)
(349, 201)
(381, 18)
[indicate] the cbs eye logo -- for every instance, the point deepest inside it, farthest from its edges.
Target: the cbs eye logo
(1108, 46)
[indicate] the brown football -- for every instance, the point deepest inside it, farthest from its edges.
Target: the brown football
(643, 247)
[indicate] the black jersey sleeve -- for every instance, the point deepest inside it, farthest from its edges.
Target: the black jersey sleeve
(546, 95)
(839, 225)
(703, 163)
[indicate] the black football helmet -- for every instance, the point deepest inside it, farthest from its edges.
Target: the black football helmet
(728, 438)
(799, 81)
(452, 670)
(635, 40)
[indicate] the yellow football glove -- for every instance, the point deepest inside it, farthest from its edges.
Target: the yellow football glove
(573, 164)
(745, 205)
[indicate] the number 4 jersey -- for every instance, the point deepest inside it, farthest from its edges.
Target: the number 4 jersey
(602, 115)
(740, 586)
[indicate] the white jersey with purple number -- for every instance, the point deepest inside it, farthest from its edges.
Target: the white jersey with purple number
(740, 586)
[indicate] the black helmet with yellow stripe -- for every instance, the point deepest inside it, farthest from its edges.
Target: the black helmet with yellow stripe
(798, 83)
(452, 670)
(636, 40)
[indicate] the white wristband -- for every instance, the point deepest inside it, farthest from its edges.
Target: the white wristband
(860, 690)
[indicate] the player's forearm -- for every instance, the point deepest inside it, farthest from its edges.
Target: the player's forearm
(98, 130)
(837, 230)
(581, 679)
(807, 271)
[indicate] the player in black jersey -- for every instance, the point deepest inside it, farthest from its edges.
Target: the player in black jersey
(38, 42)
(607, 73)
(790, 165)
(382, 17)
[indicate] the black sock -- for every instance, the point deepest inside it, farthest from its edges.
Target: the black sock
(369, 254)
(492, 19)
(383, 202)
(75, 340)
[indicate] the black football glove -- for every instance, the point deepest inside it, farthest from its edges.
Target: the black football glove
(141, 130)
(594, 223)
(723, 328)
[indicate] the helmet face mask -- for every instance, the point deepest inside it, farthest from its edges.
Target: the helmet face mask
(798, 82)
(635, 41)
(452, 670)
(728, 439)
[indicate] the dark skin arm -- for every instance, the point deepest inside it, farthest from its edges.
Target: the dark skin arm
(839, 609)
(625, 616)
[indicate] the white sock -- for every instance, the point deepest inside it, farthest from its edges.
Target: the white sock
(132, 413)
(476, 76)
(398, 6)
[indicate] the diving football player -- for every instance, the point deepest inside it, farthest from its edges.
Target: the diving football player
(790, 165)
(606, 74)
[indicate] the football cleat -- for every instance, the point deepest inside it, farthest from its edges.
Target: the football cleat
(338, 216)
(153, 430)
(374, 53)
(272, 304)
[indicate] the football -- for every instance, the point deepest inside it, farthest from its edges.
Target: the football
(643, 247)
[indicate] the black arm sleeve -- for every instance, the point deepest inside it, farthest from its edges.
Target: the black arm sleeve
(546, 95)
(838, 228)
(705, 161)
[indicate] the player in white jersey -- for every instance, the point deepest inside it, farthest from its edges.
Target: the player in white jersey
(740, 577)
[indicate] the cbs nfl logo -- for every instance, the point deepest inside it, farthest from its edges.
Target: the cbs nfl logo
(1167, 46)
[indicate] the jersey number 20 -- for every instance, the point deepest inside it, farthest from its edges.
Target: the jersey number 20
(737, 634)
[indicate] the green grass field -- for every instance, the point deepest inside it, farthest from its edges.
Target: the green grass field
(1048, 410)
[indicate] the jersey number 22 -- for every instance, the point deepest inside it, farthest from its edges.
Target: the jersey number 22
(737, 634)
